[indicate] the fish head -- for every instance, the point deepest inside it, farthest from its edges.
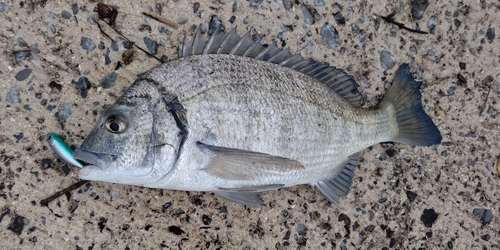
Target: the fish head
(127, 143)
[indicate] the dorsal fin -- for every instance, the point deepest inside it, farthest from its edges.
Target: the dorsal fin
(232, 44)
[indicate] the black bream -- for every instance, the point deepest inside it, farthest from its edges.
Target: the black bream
(236, 118)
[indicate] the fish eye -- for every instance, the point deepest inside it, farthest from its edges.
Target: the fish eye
(115, 125)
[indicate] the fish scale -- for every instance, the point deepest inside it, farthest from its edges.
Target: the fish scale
(236, 118)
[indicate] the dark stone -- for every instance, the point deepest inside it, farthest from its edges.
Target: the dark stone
(215, 25)
(490, 34)
(387, 60)
(232, 19)
(55, 85)
(158, 7)
(83, 85)
(63, 114)
(196, 7)
(301, 229)
(255, 2)
(66, 14)
(287, 4)
(411, 195)
(87, 44)
(3, 7)
(330, 35)
(175, 230)
(484, 214)
(151, 45)
(206, 219)
(234, 6)
(19, 136)
(75, 8)
(17, 225)
(418, 8)
(108, 81)
(308, 17)
(429, 216)
(23, 74)
(339, 18)
(19, 56)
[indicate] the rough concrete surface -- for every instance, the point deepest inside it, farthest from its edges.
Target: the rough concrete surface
(58, 71)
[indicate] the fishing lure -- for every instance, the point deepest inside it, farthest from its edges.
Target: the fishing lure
(63, 150)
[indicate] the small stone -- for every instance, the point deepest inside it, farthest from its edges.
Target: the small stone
(108, 81)
(387, 60)
(319, 3)
(330, 35)
(339, 18)
(234, 6)
(232, 19)
(418, 8)
(23, 74)
(432, 22)
(490, 34)
(87, 44)
(308, 17)
(83, 85)
(411, 195)
(19, 56)
(151, 45)
(13, 95)
(451, 90)
(114, 195)
(255, 2)
(158, 7)
(75, 8)
(196, 7)
(429, 216)
(63, 114)
(215, 24)
(66, 14)
(3, 7)
(175, 230)
(287, 4)
(18, 224)
(310, 46)
(166, 206)
(34, 48)
(46, 163)
(484, 214)
(457, 22)
(181, 20)
(301, 229)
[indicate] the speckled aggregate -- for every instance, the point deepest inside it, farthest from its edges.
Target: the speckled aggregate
(442, 197)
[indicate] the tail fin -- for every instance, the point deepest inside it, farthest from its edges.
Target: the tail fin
(415, 126)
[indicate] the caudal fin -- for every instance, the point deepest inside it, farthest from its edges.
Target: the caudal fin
(415, 126)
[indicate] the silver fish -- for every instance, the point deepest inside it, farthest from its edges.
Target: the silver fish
(235, 117)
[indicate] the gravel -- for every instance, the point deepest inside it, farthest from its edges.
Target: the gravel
(330, 35)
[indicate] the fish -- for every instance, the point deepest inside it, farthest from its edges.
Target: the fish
(235, 117)
(63, 150)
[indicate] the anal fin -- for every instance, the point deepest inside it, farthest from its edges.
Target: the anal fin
(249, 196)
(338, 185)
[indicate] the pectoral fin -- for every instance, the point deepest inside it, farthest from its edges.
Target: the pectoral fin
(236, 164)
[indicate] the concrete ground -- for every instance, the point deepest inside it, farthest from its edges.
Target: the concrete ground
(57, 71)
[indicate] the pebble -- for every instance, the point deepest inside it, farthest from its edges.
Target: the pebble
(310, 46)
(66, 14)
(19, 56)
(411, 195)
(34, 48)
(432, 22)
(63, 114)
(158, 7)
(83, 85)
(255, 2)
(3, 7)
(330, 35)
(215, 24)
(457, 22)
(114, 195)
(75, 8)
(108, 81)
(484, 214)
(181, 20)
(287, 4)
(232, 19)
(418, 8)
(451, 90)
(429, 216)
(151, 45)
(114, 46)
(387, 60)
(196, 7)
(301, 229)
(308, 17)
(339, 18)
(319, 3)
(87, 44)
(490, 34)
(234, 6)
(53, 29)
(18, 224)
(23, 74)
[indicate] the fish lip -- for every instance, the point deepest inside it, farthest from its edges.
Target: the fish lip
(100, 160)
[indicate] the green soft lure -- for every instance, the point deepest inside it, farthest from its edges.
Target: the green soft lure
(63, 150)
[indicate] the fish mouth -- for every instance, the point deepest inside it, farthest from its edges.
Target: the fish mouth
(94, 161)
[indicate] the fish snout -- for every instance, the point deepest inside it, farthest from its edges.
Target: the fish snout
(101, 161)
